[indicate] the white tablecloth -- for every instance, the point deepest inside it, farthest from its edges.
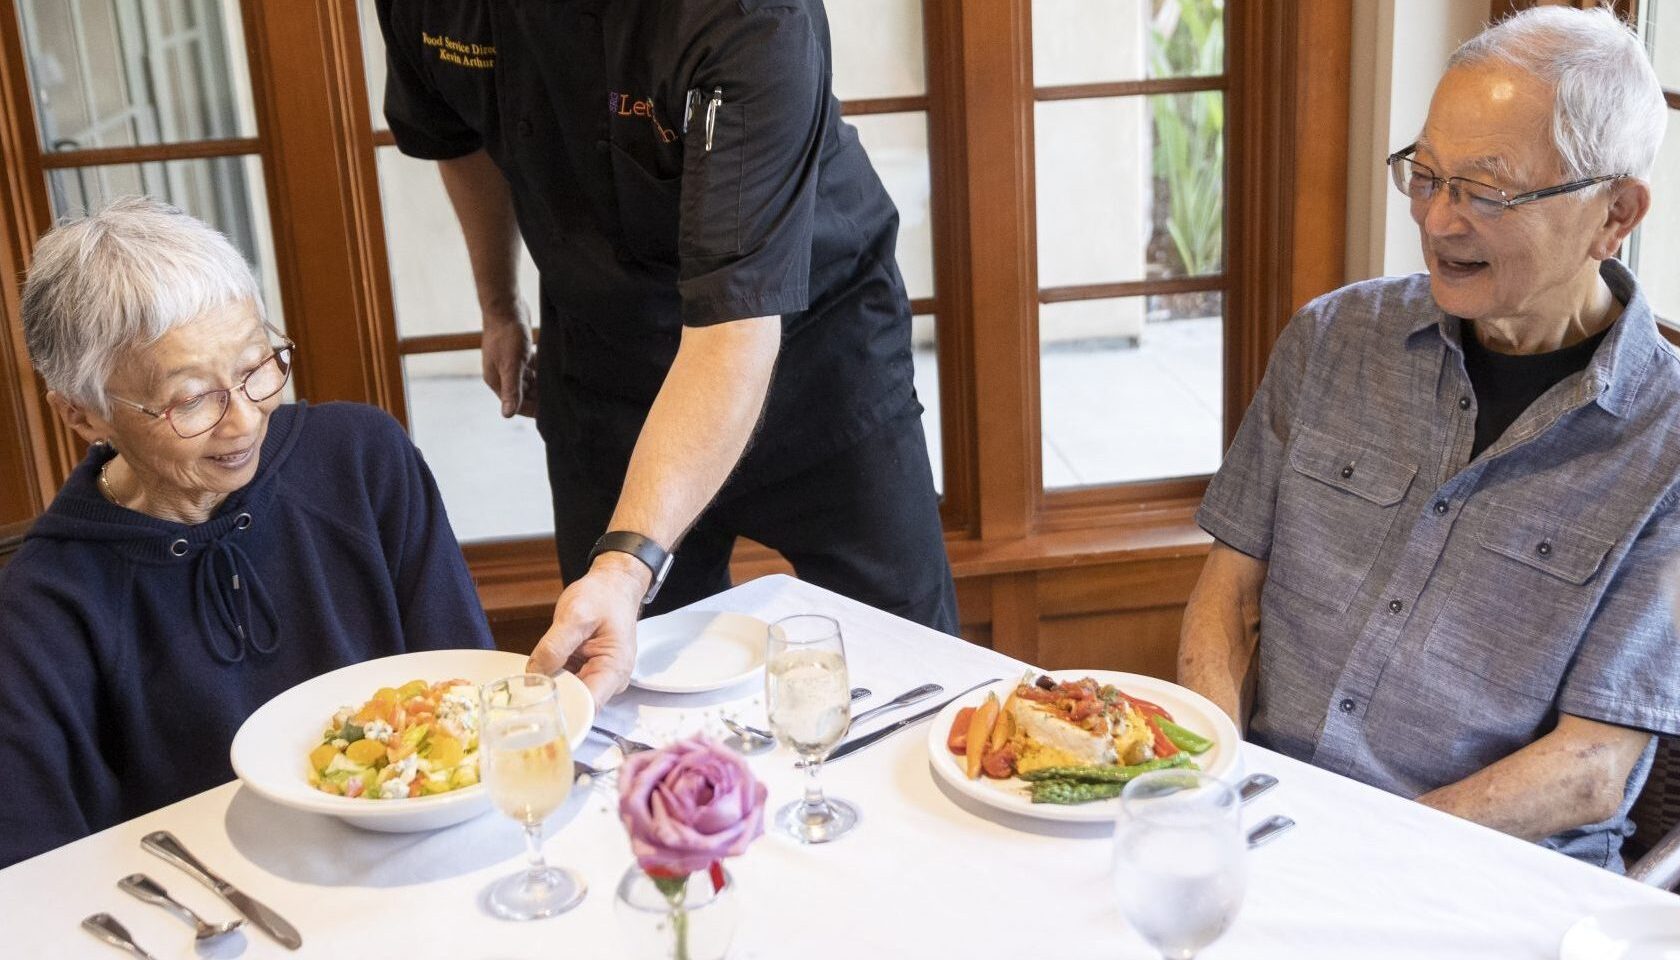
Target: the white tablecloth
(926, 875)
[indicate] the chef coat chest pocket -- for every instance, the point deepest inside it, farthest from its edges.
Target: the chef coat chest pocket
(647, 208)
(712, 183)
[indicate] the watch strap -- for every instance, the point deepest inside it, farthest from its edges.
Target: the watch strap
(646, 549)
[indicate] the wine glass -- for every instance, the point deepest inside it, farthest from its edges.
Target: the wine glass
(809, 697)
(1180, 864)
(526, 763)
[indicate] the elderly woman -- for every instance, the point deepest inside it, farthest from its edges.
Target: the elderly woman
(216, 546)
(1442, 527)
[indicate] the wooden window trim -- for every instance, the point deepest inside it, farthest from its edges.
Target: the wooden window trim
(1128, 88)
(152, 152)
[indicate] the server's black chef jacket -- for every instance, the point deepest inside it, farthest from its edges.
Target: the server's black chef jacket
(596, 112)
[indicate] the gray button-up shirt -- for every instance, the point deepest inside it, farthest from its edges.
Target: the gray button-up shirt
(1424, 615)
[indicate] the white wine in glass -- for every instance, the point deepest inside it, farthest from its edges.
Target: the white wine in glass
(525, 762)
(810, 706)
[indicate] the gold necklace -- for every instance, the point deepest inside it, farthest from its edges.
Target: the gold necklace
(105, 484)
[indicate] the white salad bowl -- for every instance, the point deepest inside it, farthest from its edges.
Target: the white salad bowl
(270, 753)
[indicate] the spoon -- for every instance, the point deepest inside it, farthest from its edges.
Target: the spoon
(105, 927)
(152, 892)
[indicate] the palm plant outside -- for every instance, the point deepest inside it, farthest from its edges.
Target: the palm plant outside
(1187, 38)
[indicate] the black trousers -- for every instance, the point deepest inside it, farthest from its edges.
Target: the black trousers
(864, 523)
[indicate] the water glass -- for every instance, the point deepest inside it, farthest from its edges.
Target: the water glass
(810, 701)
(1180, 864)
(525, 762)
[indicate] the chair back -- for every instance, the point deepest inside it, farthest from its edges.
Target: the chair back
(11, 538)
(1653, 852)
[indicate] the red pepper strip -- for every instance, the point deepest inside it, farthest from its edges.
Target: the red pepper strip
(1144, 706)
(1164, 747)
(716, 871)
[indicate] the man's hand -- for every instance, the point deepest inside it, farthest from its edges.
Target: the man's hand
(595, 626)
(507, 353)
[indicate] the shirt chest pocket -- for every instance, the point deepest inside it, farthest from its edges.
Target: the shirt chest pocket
(1335, 504)
(1522, 600)
(647, 208)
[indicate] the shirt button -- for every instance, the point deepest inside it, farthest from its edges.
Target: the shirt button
(1347, 705)
(1395, 606)
(1440, 507)
(1544, 549)
(1347, 471)
(1463, 403)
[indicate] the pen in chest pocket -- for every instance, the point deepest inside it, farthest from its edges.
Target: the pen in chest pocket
(711, 115)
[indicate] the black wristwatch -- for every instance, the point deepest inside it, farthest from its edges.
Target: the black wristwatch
(642, 548)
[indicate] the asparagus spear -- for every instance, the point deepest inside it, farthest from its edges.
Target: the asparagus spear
(1114, 775)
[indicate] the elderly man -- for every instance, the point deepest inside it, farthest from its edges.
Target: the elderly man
(1443, 525)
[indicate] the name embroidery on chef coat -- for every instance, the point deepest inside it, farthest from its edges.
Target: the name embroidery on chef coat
(476, 56)
(624, 105)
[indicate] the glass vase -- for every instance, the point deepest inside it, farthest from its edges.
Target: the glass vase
(692, 922)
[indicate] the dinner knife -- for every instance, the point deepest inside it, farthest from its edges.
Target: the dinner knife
(858, 743)
(163, 844)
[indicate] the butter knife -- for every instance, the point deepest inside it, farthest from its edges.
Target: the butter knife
(163, 844)
(858, 743)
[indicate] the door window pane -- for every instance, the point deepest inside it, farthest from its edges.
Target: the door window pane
(1660, 23)
(1130, 188)
(491, 471)
(1106, 41)
(923, 339)
(431, 278)
(897, 144)
(1655, 248)
(225, 192)
(118, 73)
(373, 63)
(878, 49)
(1132, 389)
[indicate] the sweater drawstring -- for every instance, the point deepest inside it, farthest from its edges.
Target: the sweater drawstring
(228, 587)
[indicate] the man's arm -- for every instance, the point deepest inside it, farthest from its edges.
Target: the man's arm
(484, 206)
(695, 432)
(1221, 633)
(1570, 777)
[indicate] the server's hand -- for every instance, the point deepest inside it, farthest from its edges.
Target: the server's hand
(594, 628)
(508, 368)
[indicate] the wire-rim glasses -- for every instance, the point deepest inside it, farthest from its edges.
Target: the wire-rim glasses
(1419, 183)
(201, 413)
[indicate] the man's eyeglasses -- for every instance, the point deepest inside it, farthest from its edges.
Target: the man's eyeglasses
(199, 414)
(1419, 182)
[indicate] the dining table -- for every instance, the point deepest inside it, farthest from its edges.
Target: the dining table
(927, 873)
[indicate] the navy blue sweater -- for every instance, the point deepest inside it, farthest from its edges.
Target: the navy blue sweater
(130, 653)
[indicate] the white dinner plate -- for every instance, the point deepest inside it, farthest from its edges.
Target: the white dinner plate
(694, 651)
(1188, 708)
(1647, 932)
(270, 752)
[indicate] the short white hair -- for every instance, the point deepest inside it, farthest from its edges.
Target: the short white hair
(118, 279)
(1608, 112)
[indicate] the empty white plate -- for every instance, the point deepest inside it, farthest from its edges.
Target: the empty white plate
(693, 651)
(1647, 932)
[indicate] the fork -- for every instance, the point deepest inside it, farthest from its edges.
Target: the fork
(625, 745)
(581, 770)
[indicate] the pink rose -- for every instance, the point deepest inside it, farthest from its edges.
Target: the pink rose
(689, 805)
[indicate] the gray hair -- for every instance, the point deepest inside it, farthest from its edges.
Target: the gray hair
(1608, 115)
(119, 279)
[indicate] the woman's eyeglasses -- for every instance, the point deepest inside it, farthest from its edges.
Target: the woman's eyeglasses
(200, 413)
